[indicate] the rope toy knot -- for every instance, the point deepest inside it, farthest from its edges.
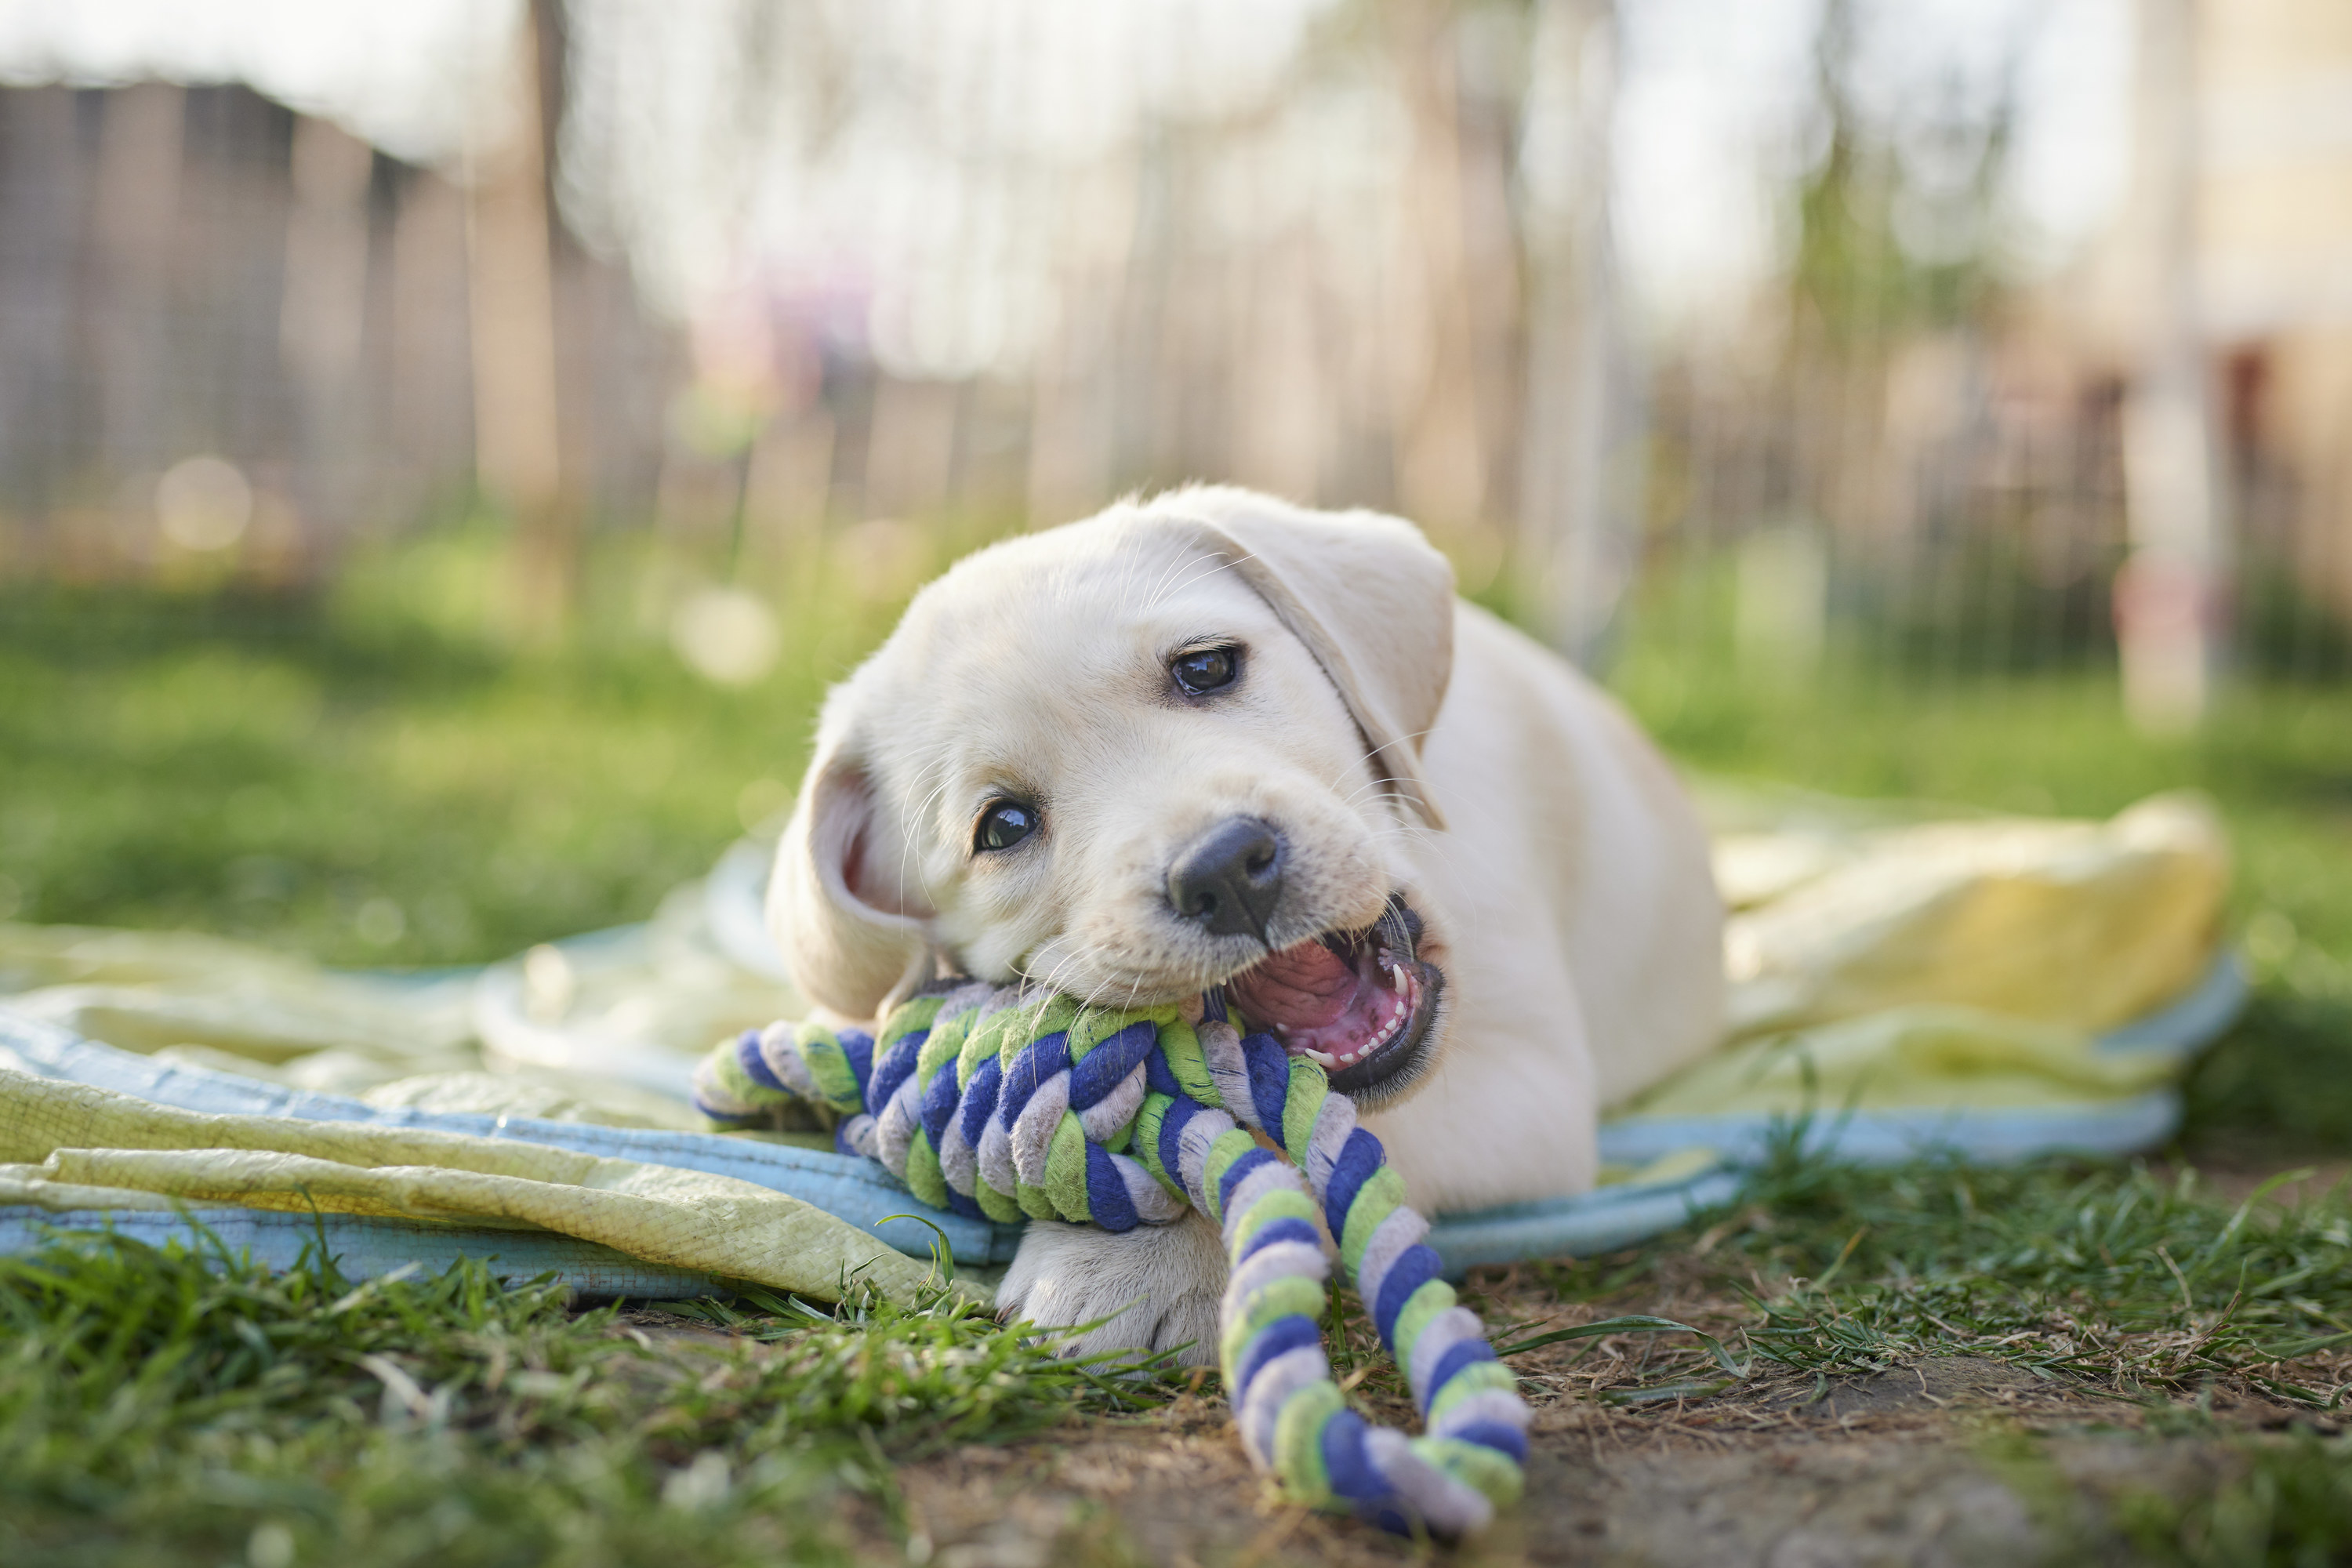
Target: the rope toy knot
(1005, 1103)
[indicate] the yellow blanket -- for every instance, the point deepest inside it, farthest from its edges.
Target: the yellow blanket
(1955, 965)
(71, 1146)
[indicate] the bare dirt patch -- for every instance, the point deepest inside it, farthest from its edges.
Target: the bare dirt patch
(1954, 1461)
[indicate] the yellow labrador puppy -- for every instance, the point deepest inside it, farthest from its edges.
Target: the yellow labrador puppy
(1212, 739)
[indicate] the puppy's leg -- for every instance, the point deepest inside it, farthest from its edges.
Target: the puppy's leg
(1163, 1281)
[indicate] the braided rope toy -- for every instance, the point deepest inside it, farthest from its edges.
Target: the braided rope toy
(998, 1103)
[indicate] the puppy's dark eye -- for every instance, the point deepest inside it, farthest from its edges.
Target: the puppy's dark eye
(1205, 668)
(1003, 825)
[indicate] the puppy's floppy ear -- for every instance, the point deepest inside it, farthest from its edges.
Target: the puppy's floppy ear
(1366, 594)
(849, 933)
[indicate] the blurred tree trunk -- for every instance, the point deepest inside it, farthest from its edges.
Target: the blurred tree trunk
(134, 221)
(322, 315)
(1073, 413)
(1441, 469)
(517, 443)
(42, 382)
(428, 431)
(1582, 448)
(2168, 595)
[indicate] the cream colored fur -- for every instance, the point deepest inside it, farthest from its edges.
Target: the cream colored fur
(1400, 739)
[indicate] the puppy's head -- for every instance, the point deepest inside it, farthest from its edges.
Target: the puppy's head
(1130, 759)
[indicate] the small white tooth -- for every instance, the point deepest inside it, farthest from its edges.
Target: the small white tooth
(1321, 1057)
(1396, 974)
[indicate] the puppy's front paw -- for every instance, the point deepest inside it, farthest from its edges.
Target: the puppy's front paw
(1157, 1285)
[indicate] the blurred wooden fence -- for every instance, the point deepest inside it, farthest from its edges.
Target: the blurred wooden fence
(192, 272)
(1371, 286)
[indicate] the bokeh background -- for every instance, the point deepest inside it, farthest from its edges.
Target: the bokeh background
(448, 447)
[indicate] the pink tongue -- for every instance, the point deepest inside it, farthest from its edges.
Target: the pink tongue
(1303, 987)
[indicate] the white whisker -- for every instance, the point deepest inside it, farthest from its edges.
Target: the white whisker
(906, 840)
(1220, 565)
(1176, 563)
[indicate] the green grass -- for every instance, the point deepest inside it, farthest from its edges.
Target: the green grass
(371, 776)
(2120, 1275)
(171, 1406)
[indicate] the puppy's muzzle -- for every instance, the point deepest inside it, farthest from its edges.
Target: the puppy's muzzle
(1229, 880)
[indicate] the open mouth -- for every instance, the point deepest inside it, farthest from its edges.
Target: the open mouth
(1358, 1003)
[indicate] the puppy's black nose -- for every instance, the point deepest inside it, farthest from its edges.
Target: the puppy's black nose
(1230, 878)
